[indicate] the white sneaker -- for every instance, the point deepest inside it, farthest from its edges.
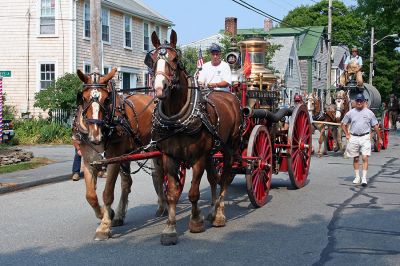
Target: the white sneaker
(357, 180)
(364, 182)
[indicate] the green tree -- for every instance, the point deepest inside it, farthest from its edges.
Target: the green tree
(189, 59)
(347, 25)
(61, 94)
(384, 16)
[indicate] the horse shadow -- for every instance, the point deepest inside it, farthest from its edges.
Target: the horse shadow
(237, 206)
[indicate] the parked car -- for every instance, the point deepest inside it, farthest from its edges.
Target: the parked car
(8, 131)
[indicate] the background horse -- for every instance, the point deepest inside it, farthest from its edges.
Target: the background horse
(394, 108)
(187, 126)
(108, 123)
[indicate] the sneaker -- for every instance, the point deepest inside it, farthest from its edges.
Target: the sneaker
(364, 182)
(357, 180)
(75, 177)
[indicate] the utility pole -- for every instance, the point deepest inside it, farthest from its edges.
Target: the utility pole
(329, 65)
(95, 35)
(371, 57)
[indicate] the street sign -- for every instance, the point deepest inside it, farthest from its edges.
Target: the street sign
(5, 73)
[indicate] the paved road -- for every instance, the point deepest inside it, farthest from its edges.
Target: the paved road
(328, 222)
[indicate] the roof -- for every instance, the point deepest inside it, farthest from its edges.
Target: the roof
(338, 52)
(307, 47)
(138, 9)
(281, 57)
(206, 42)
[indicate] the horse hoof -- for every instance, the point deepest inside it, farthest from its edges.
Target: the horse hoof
(219, 221)
(100, 236)
(196, 226)
(117, 222)
(168, 239)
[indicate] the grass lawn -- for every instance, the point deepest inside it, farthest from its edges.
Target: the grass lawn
(34, 163)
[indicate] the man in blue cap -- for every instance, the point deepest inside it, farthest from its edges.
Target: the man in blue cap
(215, 74)
(360, 120)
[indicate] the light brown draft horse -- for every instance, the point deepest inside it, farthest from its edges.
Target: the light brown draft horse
(332, 113)
(186, 127)
(111, 124)
(394, 108)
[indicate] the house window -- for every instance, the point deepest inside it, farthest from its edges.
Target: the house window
(86, 20)
(315, 65)
(47, 75)
(157, 30)
(146, 36)
(47, 17)
(129, 80)
(319, 70)
(105, 25)
(290, 67)
(128, 31)
(88, 69)
(106, 70)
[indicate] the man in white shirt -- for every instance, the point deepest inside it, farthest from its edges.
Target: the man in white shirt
(353, 65)
(215, 74)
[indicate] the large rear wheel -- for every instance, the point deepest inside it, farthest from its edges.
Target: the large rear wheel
(259, 179)
(300, 140)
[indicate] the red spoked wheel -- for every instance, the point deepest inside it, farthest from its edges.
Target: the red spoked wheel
(385, 129)
(259, 179)
(330, 142)
(181, 177)
(300, 140)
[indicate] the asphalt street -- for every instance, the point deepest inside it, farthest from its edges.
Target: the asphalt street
(328, 222)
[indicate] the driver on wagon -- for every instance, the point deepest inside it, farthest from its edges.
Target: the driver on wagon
(215, 74)
(352, 65)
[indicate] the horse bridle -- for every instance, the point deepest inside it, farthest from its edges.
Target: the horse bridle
(172, 79)
(94, 98)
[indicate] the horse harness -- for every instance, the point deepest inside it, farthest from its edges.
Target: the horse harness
(114, 121)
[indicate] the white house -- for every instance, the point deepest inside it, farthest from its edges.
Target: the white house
(43, 39)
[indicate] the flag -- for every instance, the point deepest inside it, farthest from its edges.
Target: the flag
(200, 61)
(247, 65)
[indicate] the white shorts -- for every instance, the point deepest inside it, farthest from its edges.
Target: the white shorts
(357, 145)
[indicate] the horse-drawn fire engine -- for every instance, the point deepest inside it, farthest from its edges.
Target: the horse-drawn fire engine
(198, 128)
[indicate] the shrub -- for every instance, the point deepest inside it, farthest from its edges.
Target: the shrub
(41, 131)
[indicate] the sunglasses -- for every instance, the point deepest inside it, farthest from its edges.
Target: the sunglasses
(359, 101)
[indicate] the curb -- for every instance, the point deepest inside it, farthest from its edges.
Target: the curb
(29, 184)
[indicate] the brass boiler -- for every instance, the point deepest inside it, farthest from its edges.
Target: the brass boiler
(261, 78)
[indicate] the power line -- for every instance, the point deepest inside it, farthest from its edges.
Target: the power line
(262, 13)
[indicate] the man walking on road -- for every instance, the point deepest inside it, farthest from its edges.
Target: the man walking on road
(360, 119)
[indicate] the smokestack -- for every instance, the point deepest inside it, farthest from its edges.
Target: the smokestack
(268, 24)
(231, 26)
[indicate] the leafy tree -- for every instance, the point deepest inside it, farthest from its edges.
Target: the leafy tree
(189, 59)
(384, 16)
(61, 94)
(347, 25)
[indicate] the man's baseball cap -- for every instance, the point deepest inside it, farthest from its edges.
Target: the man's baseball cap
(215, 48)
(360, 97)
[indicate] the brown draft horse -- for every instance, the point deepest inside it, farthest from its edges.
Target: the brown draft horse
(186, 127)
(111, 124)
(332, 113)
(394, 108)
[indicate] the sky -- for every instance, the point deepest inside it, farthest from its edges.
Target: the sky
(195, 20)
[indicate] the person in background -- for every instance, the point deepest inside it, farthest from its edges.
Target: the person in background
(76, 166)
(215, 74)
(357, 124)
(353, 64)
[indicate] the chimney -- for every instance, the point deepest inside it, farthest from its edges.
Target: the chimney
(231, 26)
(268, 24)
